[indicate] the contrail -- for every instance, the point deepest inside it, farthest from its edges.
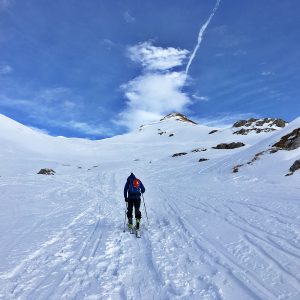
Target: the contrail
(200, 36)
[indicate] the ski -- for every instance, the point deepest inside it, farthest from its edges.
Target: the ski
(131, 228)
(137, 233)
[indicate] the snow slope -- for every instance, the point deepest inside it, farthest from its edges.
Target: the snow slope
(212, 234)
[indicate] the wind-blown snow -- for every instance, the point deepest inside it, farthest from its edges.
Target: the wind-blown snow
(213, 234)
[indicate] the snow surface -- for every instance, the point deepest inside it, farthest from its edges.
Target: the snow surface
(212, 234)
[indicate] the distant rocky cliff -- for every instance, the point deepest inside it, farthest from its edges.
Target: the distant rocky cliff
(258, 125)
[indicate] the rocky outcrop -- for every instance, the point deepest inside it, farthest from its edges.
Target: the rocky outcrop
(199, 150)
(178, 117)
(213, 131)
(290, 141)
(244, 131)
(260, 122)
(46, 171)
(241, 123)
(258, 125)
(160, 132)
(294, 167)
(271, 122)
(179, 154)
(203, 159)
(232, 145)
(256, 157)
(236, 168)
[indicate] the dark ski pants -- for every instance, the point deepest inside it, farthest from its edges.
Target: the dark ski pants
(136, 203)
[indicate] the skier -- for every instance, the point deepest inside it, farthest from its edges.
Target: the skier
(132, 194)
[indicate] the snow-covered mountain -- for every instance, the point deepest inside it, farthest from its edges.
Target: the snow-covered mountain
(223, 218)
(152, 142)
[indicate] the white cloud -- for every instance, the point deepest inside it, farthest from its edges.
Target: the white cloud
(152, 95)
(158, 91)
(69, 105)
(86, 128)
(51, 95)
(267, 73)
(200, 98)
(57, 107)
(15, 102)
(240, 52)
(128, 17)
(157, 58)
(5, 69)
(108, 43)
(78, 126)
(133, 118)
(225, 120)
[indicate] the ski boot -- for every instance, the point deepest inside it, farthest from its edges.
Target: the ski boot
(137, 223)
(130, 225)
(137, 228)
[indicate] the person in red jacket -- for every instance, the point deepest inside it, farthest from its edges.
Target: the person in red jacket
(132, 194)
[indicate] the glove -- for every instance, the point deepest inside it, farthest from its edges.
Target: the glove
(126, 200)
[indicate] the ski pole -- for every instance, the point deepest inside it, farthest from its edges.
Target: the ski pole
(125, 217)
(145, 209)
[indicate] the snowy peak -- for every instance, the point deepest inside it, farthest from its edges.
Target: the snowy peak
(178, 117)
(258, 125)
(8, 126)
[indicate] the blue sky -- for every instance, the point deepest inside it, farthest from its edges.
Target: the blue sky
(99, 68)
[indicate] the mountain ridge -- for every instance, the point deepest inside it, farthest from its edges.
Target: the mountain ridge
(168, 136)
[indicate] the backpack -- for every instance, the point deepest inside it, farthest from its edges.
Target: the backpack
(134, 186)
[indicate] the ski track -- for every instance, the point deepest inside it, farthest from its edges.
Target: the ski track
(256, 254)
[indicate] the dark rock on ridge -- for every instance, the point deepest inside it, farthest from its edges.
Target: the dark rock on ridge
(236, 168)
(244, 131)
(179, 154)
(213, 131)
(260, 122)
(46, 171)
(179, 117)
(294, 167)
(290, 141)
(199, 150)
(256, 125)
(203, 159)
(232, 145)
